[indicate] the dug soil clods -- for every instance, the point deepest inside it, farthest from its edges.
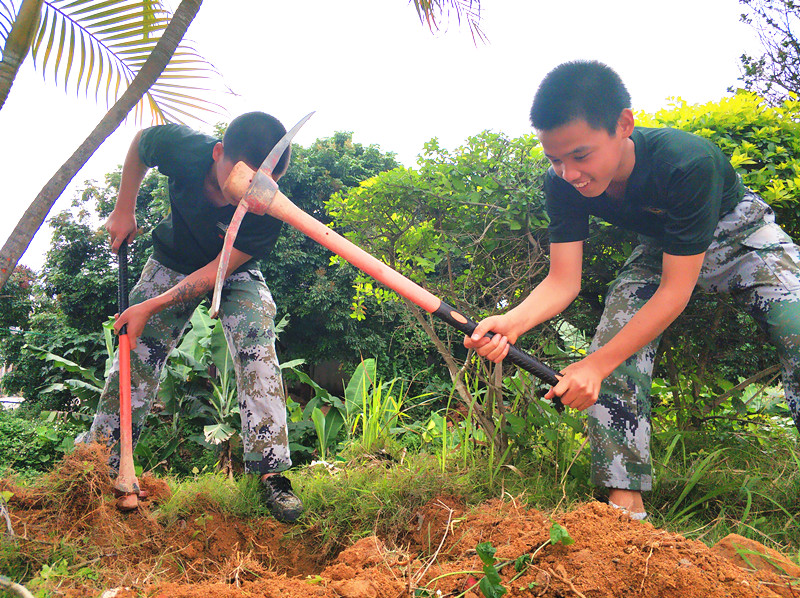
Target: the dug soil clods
(210, 554)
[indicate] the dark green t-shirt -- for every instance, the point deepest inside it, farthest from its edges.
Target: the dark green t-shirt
(191, 236)
(680, 186)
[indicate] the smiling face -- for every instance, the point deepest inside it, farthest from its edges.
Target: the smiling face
(591, 160)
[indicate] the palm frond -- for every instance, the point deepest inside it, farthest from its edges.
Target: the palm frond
(431, 12)
(100, 45)
(8, 13)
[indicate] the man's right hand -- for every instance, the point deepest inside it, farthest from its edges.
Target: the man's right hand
(495, 348)
(121, 228)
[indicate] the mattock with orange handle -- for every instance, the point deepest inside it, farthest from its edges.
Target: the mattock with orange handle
(126, 485)
(256, 191)
(261, 187)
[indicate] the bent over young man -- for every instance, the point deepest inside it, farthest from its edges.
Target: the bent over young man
(699, 228)
(181, 272)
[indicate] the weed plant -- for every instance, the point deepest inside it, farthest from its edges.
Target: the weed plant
(31, 443)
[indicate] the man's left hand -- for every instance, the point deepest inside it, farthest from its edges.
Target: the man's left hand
(136, 318)
(579, 384)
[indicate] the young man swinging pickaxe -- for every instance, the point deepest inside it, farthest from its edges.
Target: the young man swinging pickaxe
(187, 253)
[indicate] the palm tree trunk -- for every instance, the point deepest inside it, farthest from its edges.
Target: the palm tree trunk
(18, 43)
(151, 70)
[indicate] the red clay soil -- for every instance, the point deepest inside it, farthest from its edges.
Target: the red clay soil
(210, 555)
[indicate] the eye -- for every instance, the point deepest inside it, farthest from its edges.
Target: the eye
(582, 157)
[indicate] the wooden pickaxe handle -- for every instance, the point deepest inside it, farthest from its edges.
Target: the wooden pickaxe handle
(126, 483)
(281, 207)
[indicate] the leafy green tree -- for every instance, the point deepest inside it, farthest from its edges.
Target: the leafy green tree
(16, 307)
(776, 73)
(16, 301)
(469, 226)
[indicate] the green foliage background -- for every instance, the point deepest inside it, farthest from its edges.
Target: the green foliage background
(468, 224)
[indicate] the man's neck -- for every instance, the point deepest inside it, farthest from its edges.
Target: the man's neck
(211, 188)
(616, 189)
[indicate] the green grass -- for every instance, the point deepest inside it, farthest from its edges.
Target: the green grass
(747, 482)
(237, 498)
(365, 497)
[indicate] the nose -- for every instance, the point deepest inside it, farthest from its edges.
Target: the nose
(569, 173)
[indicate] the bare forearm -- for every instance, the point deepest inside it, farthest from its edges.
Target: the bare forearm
(580, 382)
(186, 292)
(546, 301)
(196, 285)
(649, 322)
(133, 171)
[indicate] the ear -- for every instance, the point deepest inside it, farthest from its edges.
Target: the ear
(625, 123)
(218, 152)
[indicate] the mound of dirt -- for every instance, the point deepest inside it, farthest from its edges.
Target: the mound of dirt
(213, 555)
(612, 556)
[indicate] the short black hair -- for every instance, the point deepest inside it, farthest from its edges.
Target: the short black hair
(251, 136)
(581, 89)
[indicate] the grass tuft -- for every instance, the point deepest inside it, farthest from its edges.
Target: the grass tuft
(239, 498)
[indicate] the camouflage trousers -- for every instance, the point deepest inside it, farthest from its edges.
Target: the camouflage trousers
(753, 261)
(247, 311)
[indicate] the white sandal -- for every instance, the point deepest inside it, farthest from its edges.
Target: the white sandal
(635, 516)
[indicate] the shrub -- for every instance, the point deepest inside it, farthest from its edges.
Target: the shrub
(762, 142)
(35, 444)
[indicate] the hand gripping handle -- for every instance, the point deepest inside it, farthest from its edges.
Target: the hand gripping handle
(515, 355)
(122, 287)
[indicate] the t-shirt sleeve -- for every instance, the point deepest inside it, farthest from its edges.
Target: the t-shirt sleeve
(697, 195)
(157, 148)
(569, 218)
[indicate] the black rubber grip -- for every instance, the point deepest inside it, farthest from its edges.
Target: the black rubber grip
(517, 356)
(122, 287)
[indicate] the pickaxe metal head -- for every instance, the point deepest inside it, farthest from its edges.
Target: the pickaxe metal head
(256, 199)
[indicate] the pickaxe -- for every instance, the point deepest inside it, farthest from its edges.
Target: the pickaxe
(126, 484)
(257, 192)
(261, 189)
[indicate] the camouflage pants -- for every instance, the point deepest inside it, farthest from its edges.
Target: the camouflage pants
(751, 259)
(247, 311)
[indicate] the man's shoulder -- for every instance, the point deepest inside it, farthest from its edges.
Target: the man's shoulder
(672, 147)
(175, 134)
(669, 136)
(177, 150)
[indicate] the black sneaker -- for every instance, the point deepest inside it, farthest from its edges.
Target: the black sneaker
(282, 502)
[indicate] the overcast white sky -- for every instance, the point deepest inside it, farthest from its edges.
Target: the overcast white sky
(370, 67)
